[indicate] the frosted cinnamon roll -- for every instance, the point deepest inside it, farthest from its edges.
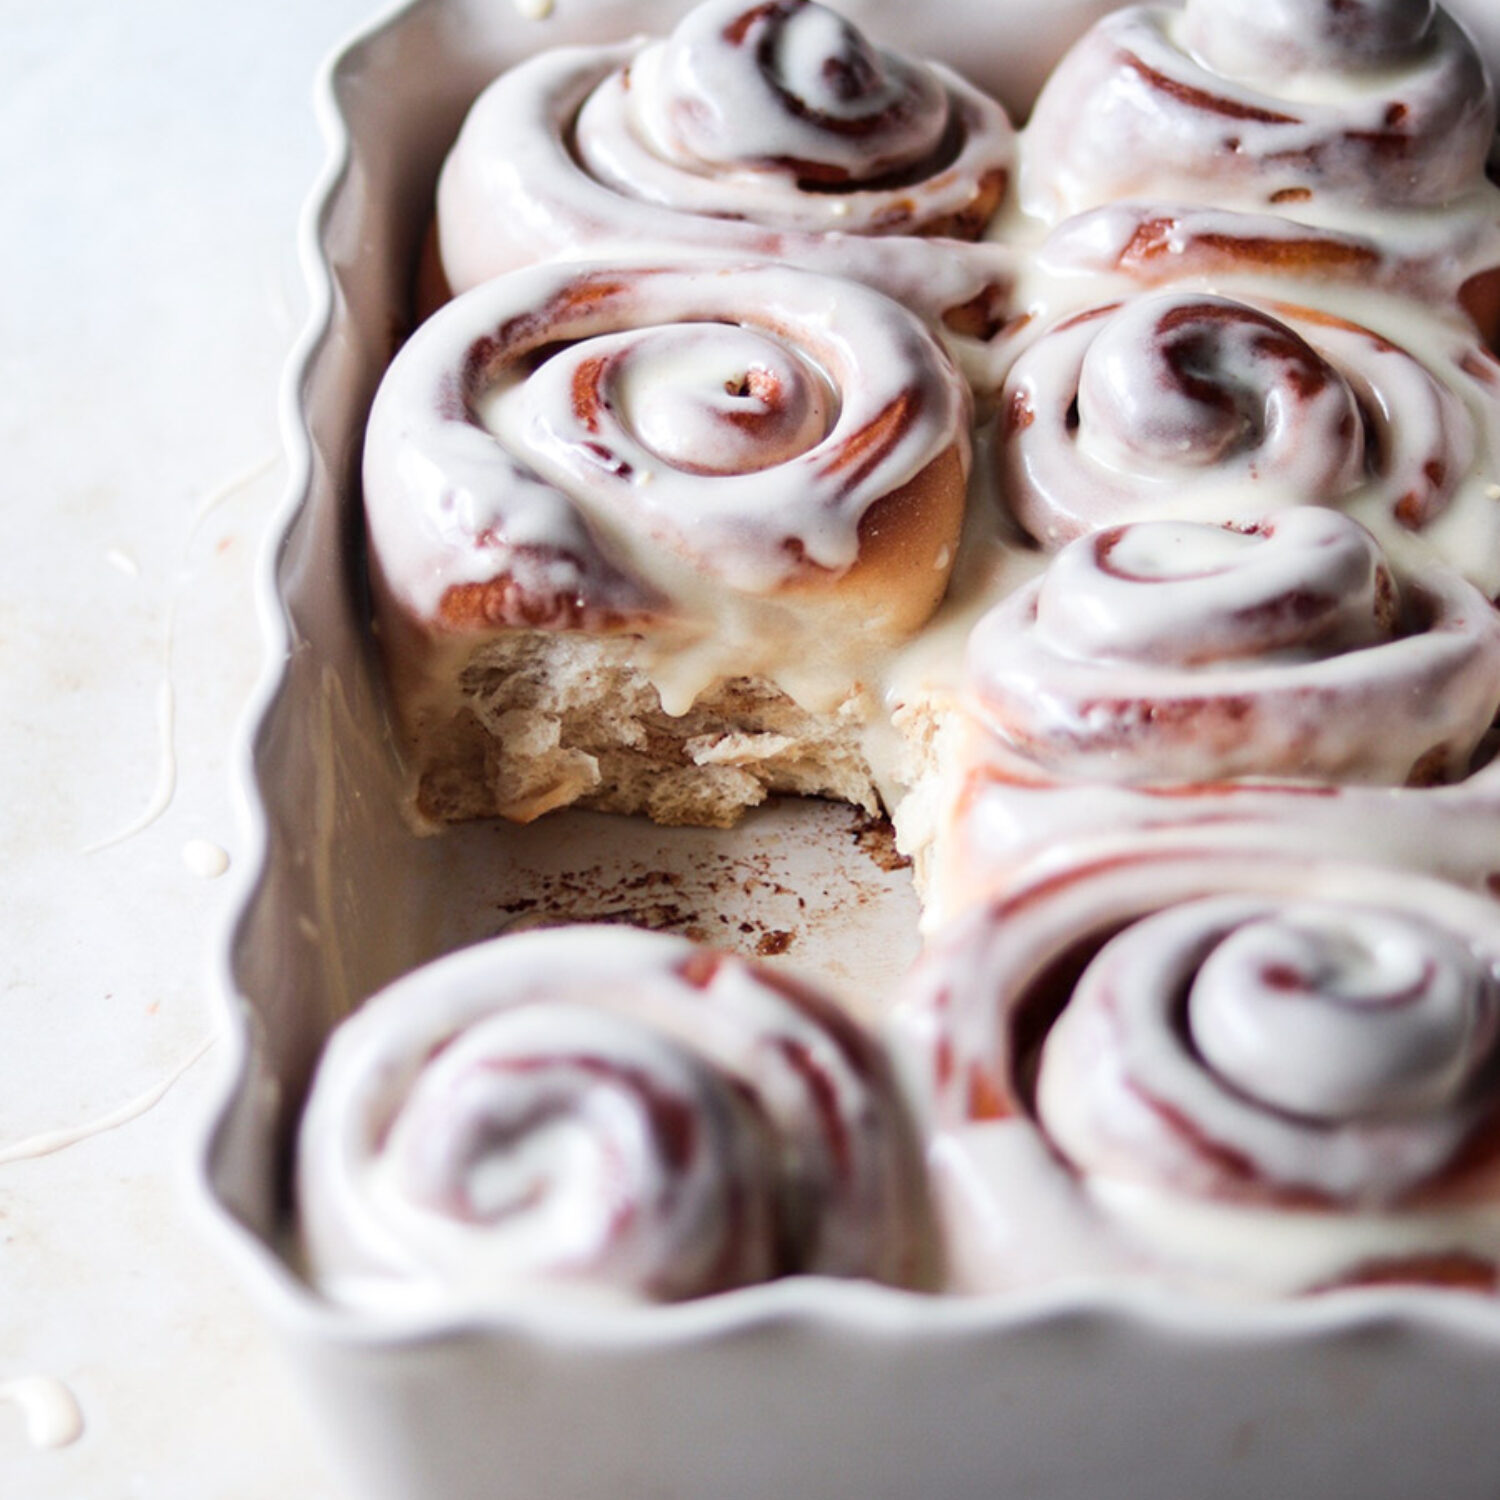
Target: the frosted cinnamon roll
(610, 1112)
(1180, 652)
(1442, 263)
(1199, 407)
(1254, 1074)
(773, 130)
(996, 821)
(1299, 105)
(640, 537)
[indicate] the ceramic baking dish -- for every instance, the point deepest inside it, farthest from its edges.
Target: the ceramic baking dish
(805, 1387)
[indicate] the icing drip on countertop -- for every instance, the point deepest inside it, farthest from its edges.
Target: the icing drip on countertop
(49, 1409)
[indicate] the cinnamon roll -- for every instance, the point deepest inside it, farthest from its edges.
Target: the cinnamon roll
(1181, 652)
(1252, 1073)
(995, 820)
(1299, 105)
(1442, 263)
(613, 1112)
(1188, 405)
(639, 537)
(773, 131)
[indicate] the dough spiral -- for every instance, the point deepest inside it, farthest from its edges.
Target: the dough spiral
(771, 131)
(1256, 1072)
(612, 1110)
(742, 458)
(1295, 105)
(1181, 652)
(1442, 261)
(1196, 406)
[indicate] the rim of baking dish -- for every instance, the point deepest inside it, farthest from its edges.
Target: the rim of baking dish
(859, 1308)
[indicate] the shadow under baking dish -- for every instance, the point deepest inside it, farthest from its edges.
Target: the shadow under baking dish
(805, 1387)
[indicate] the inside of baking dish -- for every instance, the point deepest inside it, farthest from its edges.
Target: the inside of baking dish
(348, 897)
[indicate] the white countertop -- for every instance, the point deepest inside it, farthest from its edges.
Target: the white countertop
(155, 158)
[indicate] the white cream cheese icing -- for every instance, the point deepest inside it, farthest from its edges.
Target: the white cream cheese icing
(1401, 400)
(1248, 107)
(700, 140)
(1187, 1128)
(696, 460)
(606, 1110)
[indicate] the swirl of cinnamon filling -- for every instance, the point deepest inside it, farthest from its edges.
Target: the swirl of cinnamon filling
(1241, 1048)
(1376, 103)
(998, 817)
(606, 1109)
(748, 110)
(759, 464)
(1173, 651)
(1451, 261)
(1192, 406)
(773, 130)
(1256, 1070)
